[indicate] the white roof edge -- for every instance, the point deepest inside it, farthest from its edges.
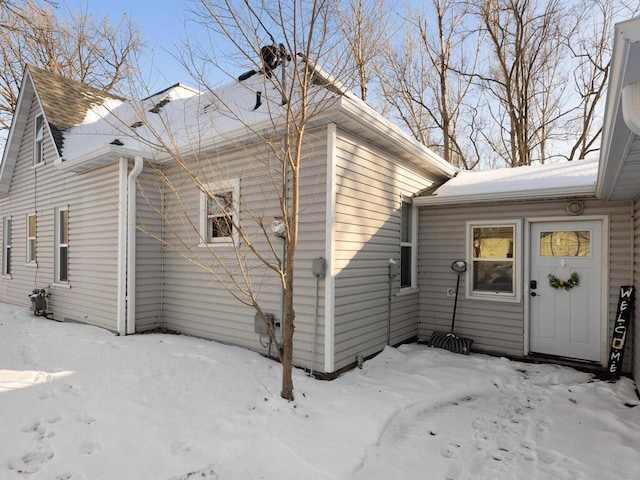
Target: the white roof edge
(625, 33)
(629, 30)
(386, 127)
(10, 146)
(88, 161)
(580, 191)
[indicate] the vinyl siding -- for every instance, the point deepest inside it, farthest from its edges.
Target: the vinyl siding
(499, 326)
(149, 252)
(635, 329)
(195, 300)
(92, 200)
(370, 184)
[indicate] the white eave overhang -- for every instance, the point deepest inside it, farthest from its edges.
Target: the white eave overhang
(367, 123)
(619, 169)
(98, 158)
(519, 196)
(347, 114)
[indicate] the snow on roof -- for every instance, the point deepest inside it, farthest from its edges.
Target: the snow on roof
(576, 178)
(178, 119)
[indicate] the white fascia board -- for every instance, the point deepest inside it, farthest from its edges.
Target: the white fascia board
(387, 129)
(616, 134)
(16, 131)
(629, 29)
(506, 196)
(98, 158)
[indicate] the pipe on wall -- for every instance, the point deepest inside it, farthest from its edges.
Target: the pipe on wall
(131, 244)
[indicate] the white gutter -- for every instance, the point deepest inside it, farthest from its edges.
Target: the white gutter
(580, 191)
(131, 244)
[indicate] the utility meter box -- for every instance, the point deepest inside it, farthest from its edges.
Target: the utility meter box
(319, 267)
(394, 269)
(260, 326)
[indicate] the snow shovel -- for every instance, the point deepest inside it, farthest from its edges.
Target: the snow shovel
(449, 340)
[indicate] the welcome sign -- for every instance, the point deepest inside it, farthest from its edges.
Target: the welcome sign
(620, 329)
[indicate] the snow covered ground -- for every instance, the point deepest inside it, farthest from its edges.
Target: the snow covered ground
(77, 402)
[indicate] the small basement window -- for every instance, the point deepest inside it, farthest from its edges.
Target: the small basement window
(494, 260)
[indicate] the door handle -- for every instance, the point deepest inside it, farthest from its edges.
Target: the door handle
(534, 294)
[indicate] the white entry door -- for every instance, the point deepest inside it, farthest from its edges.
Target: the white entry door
(566, 321)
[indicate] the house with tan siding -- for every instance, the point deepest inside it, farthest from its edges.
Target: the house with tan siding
(97, 213)
(89, 208)
(524, 232)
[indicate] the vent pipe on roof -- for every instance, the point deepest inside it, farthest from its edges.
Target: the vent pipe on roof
(258, 100)
(631, 107)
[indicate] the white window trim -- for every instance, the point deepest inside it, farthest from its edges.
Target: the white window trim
(29, 260)
(38, 142)
(225, 185)
(6, 245)
(516, 296)
(58, 245)
(413, 243)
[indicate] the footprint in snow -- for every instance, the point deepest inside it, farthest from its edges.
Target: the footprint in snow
(543, 424)
(450, 451)
(30, 462)
(86, 418)
(87, 448)
(180, 447)
(206, 474)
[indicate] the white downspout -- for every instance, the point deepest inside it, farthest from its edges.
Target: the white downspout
(121, 312)
(131, 244)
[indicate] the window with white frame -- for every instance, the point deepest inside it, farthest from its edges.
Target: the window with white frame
(219, 212)
(493, 255)
(62, 245)
(38, 147)
(407, 244)
(6, 246)
(31, 238)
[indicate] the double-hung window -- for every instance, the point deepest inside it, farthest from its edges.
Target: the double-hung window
(6, 246)
(407, 245)
(31, 238)
(38, 144)
(62, 245)
(219, 212)
(495, 263)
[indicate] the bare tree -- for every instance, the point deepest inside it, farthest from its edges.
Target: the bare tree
(281, 44)
(78, 45)
(428, 82)
(590, 49)
(365, 27)
(521, 79)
